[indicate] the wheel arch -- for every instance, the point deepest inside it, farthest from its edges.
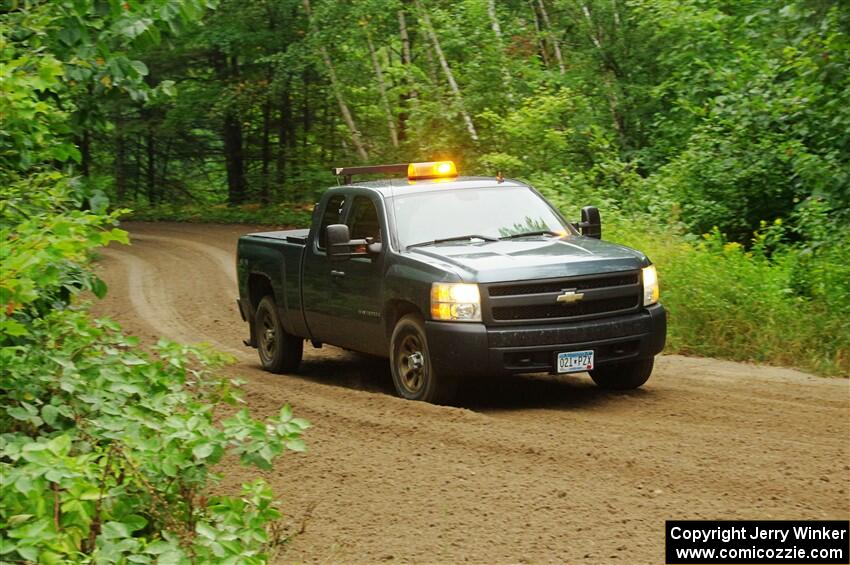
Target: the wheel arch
(395, 310)
(259, 285)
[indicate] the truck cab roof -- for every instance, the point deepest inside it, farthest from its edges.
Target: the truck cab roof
(396, 186)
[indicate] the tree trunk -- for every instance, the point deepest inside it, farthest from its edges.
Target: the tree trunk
(411, 95)
(541, 42)
(429, 29)
(84, 142)
(556, 47)
(284, 133)
(150, 154)
(594, 37)
(406, 58)
(337, 90)
(231, 133)
(382, 89)
(266, 151)
(165, 160)
(233, 159)
(497, 31)
(306, 109)
(120, 159)
(609, 76)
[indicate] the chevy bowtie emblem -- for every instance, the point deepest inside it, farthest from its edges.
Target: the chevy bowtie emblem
(569, 297)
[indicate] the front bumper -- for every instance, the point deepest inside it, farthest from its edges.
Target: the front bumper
(475, 349)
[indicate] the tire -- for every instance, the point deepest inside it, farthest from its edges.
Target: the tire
(413, 372)
(623, 376)
(279, 351)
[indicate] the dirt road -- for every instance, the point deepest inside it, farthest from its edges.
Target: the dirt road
(527, 469)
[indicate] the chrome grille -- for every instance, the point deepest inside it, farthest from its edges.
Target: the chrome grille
(558, 285)
(537, 301)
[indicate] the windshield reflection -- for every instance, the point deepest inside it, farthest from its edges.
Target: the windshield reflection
(492, 213)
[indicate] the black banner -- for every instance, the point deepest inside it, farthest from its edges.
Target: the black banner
(764, 542)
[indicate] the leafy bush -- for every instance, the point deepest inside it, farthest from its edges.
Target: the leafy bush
(791, 307)
(106, 452)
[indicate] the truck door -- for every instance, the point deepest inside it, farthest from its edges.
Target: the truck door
(360, 287)
(322, 300)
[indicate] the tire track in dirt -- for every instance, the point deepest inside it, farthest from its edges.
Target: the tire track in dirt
(525, 469)
(153, 303)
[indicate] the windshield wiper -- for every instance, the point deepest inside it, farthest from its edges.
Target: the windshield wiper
(530, 233)
(455, 238)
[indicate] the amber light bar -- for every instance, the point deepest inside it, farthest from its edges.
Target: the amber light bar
(431, 170)
(415, 171)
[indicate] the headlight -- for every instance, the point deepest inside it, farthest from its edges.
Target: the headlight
(650, 285)
(459, 302)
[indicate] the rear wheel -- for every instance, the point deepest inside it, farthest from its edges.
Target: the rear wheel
(414, 376)
(279, 351)
(623, 376)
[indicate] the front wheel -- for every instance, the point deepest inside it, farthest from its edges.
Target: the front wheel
(623, 376)
(279, 351)
(414, 376)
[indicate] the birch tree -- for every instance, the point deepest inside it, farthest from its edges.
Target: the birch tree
(556, 47)
(382, 87)
(429, 29)
(497, 32)
(406, 57)
(609, 74)
(354, 133)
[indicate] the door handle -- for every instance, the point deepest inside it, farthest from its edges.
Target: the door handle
(335, 273)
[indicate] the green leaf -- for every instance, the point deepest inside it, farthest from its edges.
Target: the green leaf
(203, 450)
(13, 328)
(296, 445)
(206, 530)
(17, 519)
(115, 530)
(49, 414)
(139, 67)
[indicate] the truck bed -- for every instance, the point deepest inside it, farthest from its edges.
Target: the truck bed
(298, 236)
(274, 258)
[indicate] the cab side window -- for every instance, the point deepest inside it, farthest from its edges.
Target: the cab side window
(363, 220)
(331, 215)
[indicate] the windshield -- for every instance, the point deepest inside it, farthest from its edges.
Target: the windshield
(485, 213)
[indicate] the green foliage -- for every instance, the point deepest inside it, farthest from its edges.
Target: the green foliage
(48, 244)
(105, 451)
(760, 110)
(789, 308)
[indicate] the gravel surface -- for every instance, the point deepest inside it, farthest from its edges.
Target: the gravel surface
(525, 469)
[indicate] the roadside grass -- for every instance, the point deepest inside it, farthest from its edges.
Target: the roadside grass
(727, 302)
(723, 300)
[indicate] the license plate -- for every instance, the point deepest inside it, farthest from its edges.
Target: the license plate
(575, 361)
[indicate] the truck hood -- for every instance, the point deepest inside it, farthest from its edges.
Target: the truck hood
(525, 259)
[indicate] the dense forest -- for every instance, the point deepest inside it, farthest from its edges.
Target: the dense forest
(714, 135)
(709, 113)
(723, 126)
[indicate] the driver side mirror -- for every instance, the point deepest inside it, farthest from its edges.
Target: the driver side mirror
(340, 243)
(591, 222)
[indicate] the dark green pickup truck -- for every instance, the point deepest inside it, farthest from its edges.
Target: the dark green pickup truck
(451, 277)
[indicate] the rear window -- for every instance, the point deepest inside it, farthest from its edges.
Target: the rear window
(364, 219)
(332, 215)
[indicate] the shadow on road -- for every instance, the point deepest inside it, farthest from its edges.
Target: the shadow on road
(523, 392)
(498, 393)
